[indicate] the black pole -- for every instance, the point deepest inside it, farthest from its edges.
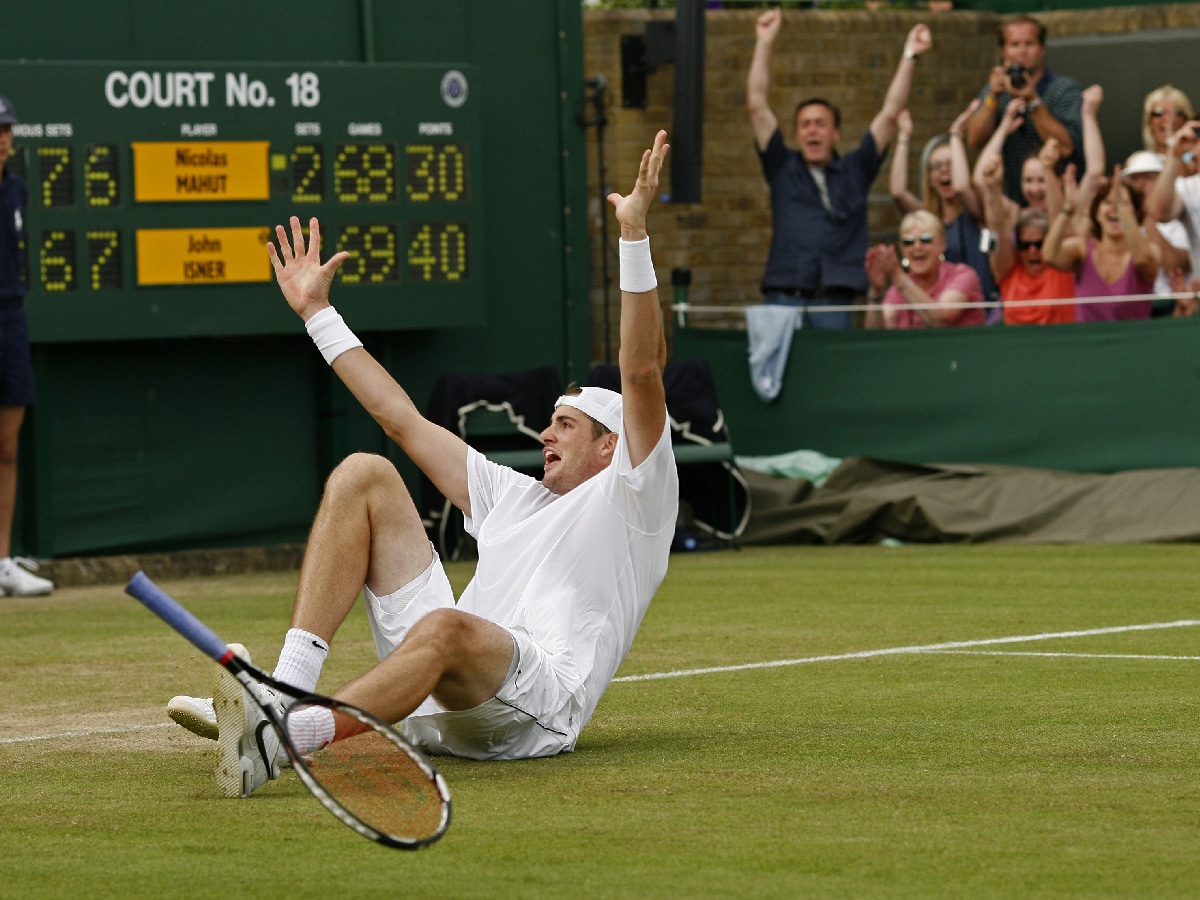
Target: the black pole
(687, 140)
(597, 85)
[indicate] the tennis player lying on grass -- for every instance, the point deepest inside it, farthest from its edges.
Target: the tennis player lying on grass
(567, 566)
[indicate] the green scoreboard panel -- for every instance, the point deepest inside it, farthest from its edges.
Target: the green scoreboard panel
(154, 188)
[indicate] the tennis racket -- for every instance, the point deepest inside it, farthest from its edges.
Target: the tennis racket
(374, 782)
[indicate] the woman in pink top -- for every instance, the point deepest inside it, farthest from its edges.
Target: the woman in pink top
(1116, 259)
(928, 281)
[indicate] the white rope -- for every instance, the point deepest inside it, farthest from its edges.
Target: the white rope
(684, 309)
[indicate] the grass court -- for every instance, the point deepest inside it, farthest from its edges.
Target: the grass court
(865, 722)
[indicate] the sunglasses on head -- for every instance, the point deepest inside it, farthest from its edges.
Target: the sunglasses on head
(1025, 245)
(924, 239)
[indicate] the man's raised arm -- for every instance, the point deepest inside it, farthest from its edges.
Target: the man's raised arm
(305, 284)
(758, 81)
(643, 353)
(883, 126)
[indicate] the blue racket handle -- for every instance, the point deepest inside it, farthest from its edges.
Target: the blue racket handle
(166, 608)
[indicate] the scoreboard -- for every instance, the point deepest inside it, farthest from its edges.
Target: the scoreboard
(155, 187)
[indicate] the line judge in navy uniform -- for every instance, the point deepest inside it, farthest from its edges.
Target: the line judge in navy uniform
(16, 366)
(818, 197)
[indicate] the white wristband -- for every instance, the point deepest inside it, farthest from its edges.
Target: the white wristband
(637, 268)
(332, 336)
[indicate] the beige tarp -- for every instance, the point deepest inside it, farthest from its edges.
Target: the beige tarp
(867, 501)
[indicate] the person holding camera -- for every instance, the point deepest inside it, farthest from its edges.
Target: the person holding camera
(1052, 102)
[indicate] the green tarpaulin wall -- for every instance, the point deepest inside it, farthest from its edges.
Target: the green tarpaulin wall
(1085, 398)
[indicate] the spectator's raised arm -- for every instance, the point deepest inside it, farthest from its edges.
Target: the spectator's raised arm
(1095, 162)
(1049, 157)
(758, 81)
(996, 218)
(1146, 255)
(960, 166)
(1062, 249)
(898, 180)
(1010, 122)
(883, 126)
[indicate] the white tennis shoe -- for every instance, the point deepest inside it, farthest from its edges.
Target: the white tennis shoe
(17, 578)
(247, 743)
(196, 714)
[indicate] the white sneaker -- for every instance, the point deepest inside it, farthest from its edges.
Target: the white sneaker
(247, 744)
(17, 578)
(197, 714)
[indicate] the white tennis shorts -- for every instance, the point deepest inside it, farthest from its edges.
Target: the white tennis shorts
(533, 714)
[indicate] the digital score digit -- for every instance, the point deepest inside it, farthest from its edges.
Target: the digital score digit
(101, 176)
(436, 172)
(104, 260)
(438, 251)
(56, 176)
(308, 173)
(372, 250)
(58, 260)
(365, 173)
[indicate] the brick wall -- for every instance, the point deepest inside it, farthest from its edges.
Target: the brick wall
(848, 57)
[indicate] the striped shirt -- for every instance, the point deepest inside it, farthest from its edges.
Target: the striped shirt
(1063, 98)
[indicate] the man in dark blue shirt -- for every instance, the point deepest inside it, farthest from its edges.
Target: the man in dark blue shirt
(16, 366)
(819, 198)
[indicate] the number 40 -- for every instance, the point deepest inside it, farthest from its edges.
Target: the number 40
(306, 88)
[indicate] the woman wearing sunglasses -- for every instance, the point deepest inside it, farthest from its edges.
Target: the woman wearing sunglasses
(1165, 110)
(947, 192)
(1018, 262)
(920, 289)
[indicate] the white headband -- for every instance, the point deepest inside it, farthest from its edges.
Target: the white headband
(601, 404)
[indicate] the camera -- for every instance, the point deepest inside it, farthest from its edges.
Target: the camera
(987, 241)
(1016, 75)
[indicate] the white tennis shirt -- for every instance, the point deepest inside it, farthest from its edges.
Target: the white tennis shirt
(576, 571)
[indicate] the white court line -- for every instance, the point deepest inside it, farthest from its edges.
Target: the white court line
(948, 647)
(74, 734)
(1068, 655)
(919, 648)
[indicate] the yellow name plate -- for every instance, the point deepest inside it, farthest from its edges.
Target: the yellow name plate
(200, 171)
(202, 255)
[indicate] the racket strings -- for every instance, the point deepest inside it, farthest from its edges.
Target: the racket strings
(379, 783)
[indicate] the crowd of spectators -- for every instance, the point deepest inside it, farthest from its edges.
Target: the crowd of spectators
(1038, 230)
